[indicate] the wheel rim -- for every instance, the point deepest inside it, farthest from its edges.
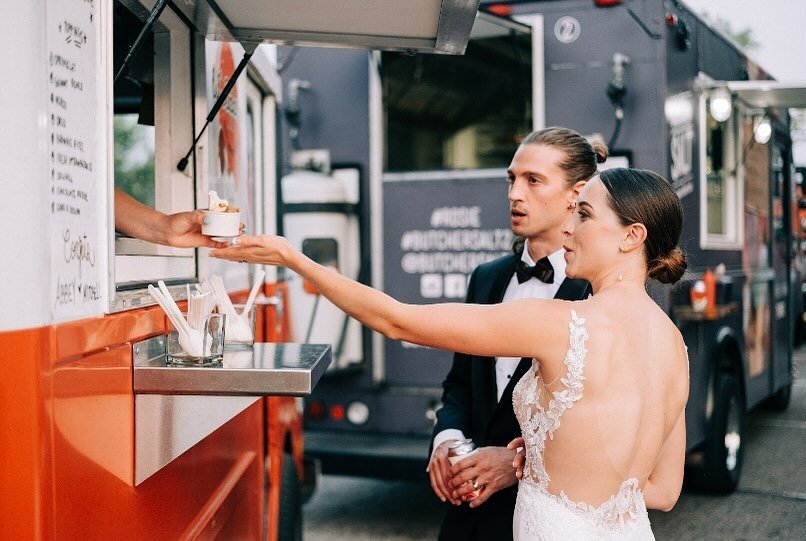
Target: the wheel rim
(733, 437)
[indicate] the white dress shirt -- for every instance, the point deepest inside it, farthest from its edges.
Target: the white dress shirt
(530, 289)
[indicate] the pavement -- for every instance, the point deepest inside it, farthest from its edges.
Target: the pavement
(770, 502)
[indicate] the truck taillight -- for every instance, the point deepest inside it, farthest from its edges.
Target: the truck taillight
(337, 412)
(502, 10)
(316, 410)
(607, 3)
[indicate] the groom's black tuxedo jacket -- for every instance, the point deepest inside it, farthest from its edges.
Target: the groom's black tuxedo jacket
(470, 404)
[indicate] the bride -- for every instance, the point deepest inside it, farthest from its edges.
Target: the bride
(602, 410)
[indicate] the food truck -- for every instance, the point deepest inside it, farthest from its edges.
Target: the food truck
(412, 198)
(102, 435)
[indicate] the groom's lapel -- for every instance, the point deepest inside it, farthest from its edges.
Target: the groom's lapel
(500, 281)
(570, 290)
(502, 277)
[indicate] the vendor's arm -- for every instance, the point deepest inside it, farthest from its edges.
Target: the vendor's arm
(182, 230)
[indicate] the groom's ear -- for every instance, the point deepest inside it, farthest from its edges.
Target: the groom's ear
(575, 191)
(634, 237)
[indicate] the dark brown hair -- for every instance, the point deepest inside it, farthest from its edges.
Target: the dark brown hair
(581, 156)
(579, 163)
(639, 196)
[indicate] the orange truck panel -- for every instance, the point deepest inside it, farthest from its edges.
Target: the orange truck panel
(67, 454)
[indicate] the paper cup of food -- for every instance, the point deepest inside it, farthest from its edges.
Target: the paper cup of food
(221, 219)
(221, 224)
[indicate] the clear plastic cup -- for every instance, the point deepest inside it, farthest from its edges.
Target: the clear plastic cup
(241, 329)
(212, 343)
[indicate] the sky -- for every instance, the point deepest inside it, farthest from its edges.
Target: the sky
(778, 25)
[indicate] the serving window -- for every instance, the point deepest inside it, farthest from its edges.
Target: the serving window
(459, 112)
(152, 128)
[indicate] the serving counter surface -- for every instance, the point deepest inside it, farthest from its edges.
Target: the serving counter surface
(266, 369)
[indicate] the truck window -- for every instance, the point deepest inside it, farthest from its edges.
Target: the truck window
(719, 171)
(458, 112)
(151, 129)
(756, 200)
(133, 108)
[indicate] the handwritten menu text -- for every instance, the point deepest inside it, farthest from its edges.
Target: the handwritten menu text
(75, 190)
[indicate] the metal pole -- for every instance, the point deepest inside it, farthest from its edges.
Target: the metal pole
(183, 163)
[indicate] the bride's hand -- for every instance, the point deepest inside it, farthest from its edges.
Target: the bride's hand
(520, 455)
(265, 250)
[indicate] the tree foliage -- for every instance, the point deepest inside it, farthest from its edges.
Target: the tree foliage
(744, 38)
(134, 159)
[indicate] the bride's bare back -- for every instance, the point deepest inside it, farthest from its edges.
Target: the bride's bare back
(634, 389)
(595, 425)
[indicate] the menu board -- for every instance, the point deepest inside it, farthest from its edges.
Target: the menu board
(76, 193)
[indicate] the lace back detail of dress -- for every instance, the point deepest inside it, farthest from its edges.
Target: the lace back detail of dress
(538, 424)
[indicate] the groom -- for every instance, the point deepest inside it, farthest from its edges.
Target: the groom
(477, 397)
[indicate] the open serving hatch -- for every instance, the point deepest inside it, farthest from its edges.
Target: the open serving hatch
(428, 26)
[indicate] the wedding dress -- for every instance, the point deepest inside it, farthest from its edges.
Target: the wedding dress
(546, 513)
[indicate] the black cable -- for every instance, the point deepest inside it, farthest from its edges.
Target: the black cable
(611, 144)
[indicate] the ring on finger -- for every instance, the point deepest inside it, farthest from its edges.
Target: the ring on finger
(476, 484)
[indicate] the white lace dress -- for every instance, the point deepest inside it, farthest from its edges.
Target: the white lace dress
(540, 515)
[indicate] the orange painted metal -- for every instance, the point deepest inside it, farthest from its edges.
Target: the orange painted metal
(81, 337)
(66, 398)
(25, 447)
(216, 513)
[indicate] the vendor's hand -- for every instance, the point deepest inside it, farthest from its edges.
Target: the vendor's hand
(490, 467)
(438, 472)
(265, 250)
(519, 446)
(183, 230)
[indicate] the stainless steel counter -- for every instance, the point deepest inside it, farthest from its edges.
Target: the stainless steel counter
(266, 369)
(177, 406)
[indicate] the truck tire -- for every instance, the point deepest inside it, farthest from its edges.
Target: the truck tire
(723, 451)
(289, 520)
(779, 401)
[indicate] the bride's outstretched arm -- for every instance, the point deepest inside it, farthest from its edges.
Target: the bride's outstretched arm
(514, 329)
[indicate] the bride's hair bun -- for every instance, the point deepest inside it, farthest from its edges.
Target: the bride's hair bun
(644, 197)
(668, 269)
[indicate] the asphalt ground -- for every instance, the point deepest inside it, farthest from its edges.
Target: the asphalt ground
(770, 502)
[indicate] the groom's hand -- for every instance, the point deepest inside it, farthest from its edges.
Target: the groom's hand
(438, 472)
(490, 466)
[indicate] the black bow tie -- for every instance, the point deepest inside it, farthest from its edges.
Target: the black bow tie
(542, 270)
